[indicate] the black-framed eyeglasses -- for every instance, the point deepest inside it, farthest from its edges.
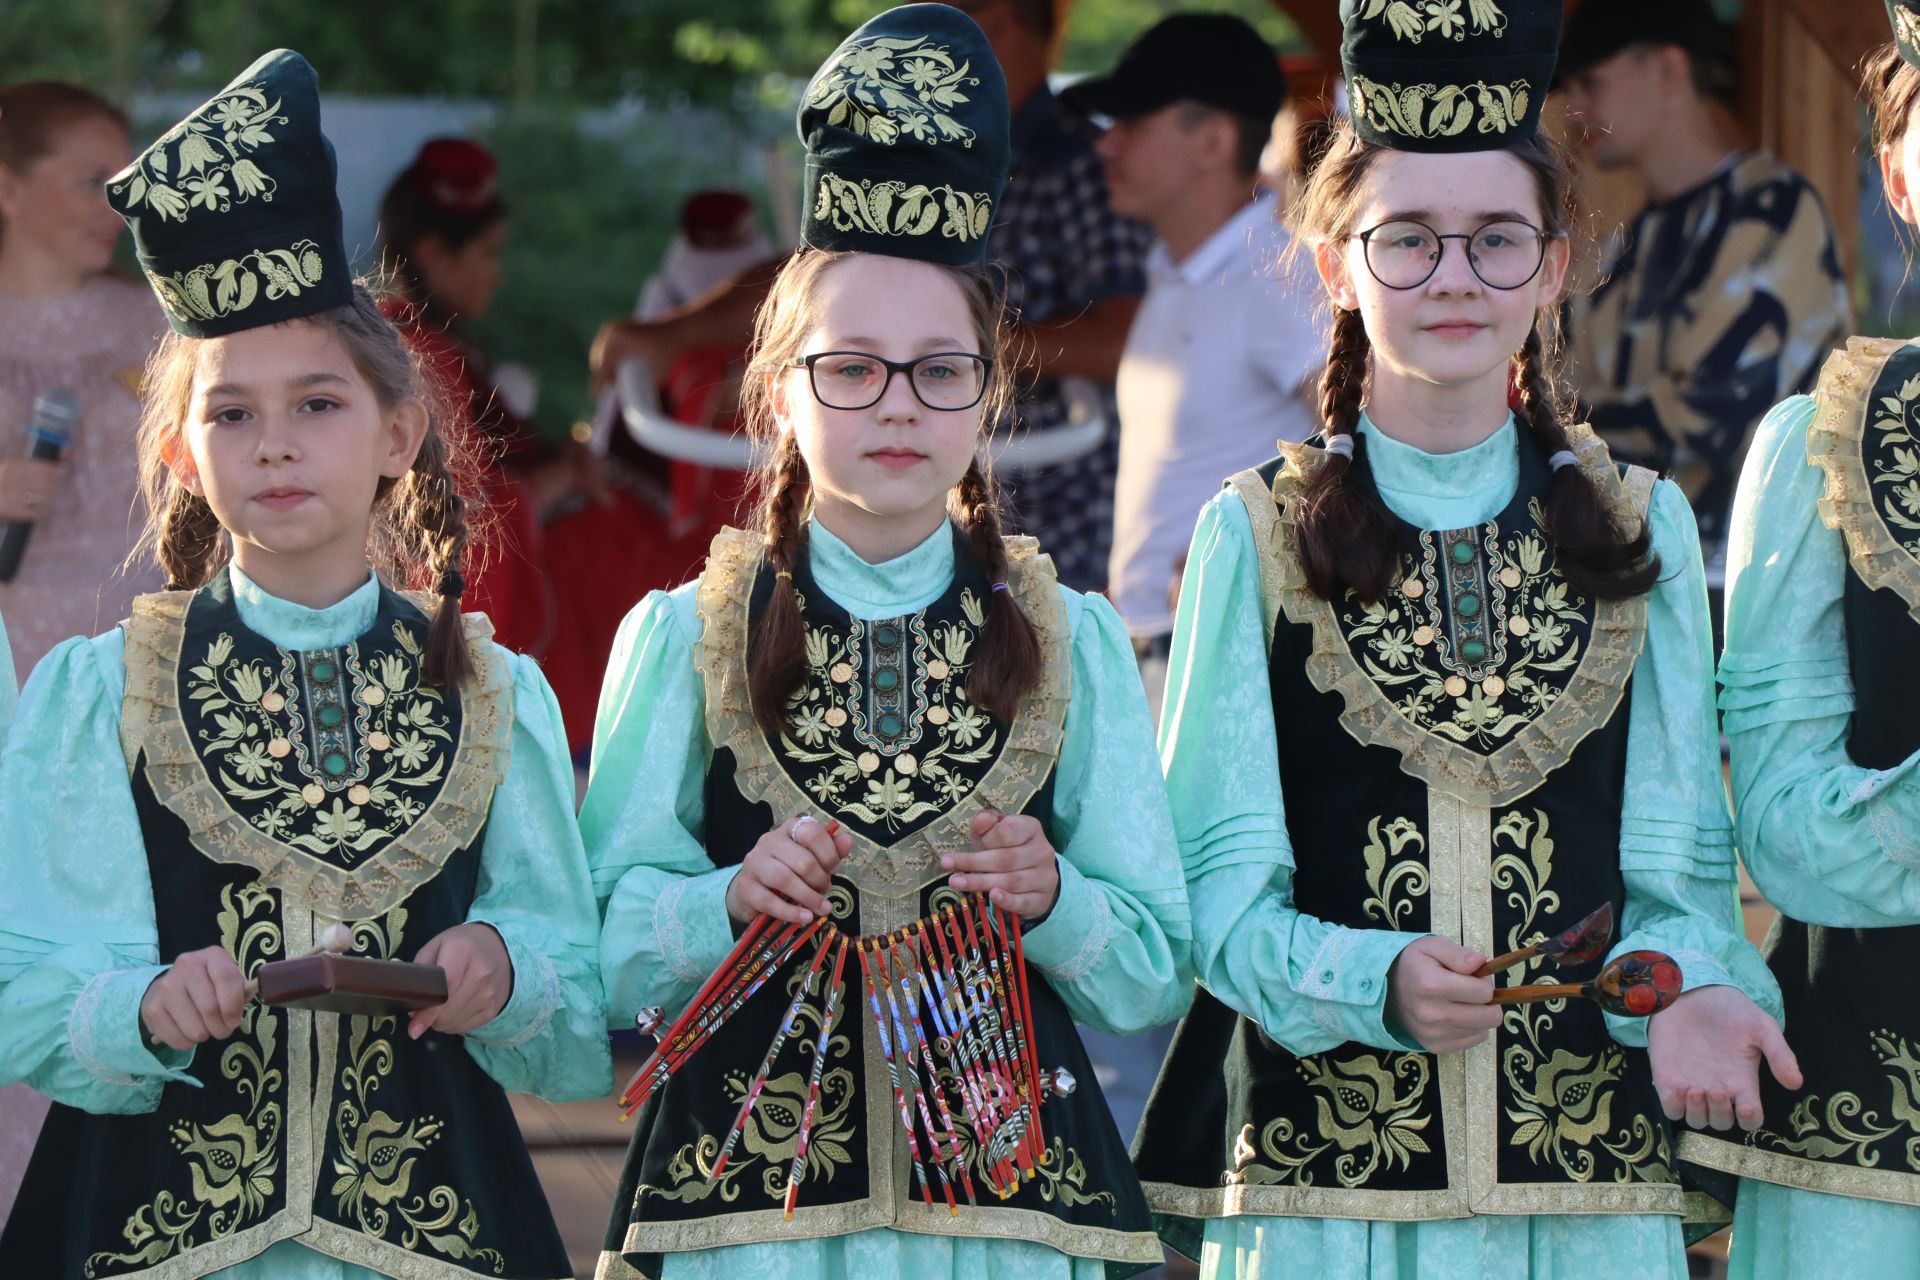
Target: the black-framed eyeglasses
(1404, 254)
(944, 380)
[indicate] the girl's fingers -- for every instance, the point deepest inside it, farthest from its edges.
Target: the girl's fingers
(1719, 1109)
(1696, 1109)
(192, 1027)
(1673, 1101)
(794, 886)
(162, 1027)
(762, 899)
(822, 849)
(1747, 1109)
(804, 864)
(1780, 1058)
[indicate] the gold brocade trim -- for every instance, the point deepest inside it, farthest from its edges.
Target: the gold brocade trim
(215, 289)
(893, 870)
(895, 208)
(153, 722)
(1590, 697)
(1439, 110)
(1893, 1186)
(1836, 441)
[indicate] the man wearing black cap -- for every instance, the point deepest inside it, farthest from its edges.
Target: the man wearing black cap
(1222, 344)
(1725, 293)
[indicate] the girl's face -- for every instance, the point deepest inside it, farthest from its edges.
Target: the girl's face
(288, 442)
(1454, 331)
(463, 280)
(892, 463)
(56, 207)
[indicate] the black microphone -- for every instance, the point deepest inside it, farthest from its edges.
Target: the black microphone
(55, 414)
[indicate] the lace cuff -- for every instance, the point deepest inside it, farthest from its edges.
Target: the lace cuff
(536, 996)
(1070, 941)
(690, 924)
(1346, 984)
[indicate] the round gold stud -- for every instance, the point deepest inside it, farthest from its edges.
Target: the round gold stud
(1494, 686)
(379, 741)
(841, 673)
(1456, 686)
(868, 762)
(373, 695)
(1412, 588)
(938, 669)
(358, 793)
(937, 715)
(313, 793)
(906, 764)
(1509, 577)
(278, 748)
(836, 716)
(1519, 625)
(1423, 636)
(273, 702)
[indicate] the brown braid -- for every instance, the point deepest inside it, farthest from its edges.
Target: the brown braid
(436, 515)
(1594, 553)
(189, 543)
(1346, 538)
(1008, 661)
(777, 658)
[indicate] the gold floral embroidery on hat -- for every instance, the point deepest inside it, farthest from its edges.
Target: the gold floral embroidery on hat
(895, 208)
(222, 288)
(194, 162)
(887, 87)
(1439, 110)
(1410, 20)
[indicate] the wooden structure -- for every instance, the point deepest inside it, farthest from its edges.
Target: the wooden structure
(1797, 92)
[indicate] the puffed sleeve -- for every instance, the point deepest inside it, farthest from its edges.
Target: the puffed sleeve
(664, 924)
(534, 890)
(1310, 985)
(1827, 841)
(1676, 836)
(1117, 944)
(78, 941)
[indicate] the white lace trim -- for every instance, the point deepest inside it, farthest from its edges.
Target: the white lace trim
(672, 934)
(1093, 944)
(547, 1001)
(1890, 831)
(80, 1030)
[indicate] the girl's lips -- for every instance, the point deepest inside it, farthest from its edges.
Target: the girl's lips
(1455, 329)
(282, 499)
(897, 457)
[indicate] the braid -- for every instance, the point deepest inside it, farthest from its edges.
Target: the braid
(1008, 661)
(438, 516)
(1594, 553)
(777, 651)
(1346, 540)
(189, 542)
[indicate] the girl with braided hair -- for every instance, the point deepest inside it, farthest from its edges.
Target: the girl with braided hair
(868, 708)
(1440, 687)
(287, 744)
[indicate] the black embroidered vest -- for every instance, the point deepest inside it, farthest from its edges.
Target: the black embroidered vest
(1451, 761)
(883, 738)
(279, 791)
(1854, 1127)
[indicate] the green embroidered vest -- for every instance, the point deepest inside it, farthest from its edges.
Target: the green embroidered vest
(1451, 761)
(881, 737)
(279, 791)
(1853, 1128)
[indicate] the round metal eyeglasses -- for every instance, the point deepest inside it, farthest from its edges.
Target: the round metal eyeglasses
(945, 380)
(1404, 254)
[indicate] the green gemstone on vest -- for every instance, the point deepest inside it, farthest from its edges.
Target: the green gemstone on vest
(335, 764)
(1462, 552)
(886, 680)
(1468, 605)
(323, 671)
(1473, 651)
(890, 725)
(331, 716)
(886, 635)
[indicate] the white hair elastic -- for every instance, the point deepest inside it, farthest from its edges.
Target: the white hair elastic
(1341, 444)
(1564, 458)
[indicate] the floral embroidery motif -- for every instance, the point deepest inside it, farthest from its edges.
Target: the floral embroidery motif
(219, 289)
(233, 1162)
(1411, 19)
(895, 208)
(838, 748)
(1439, 110)
(268, 751)
(1417, 651)
(887, 87)
(1842, 1128)
(1561, 1102)
(213, 145)
(1371, 1108)
(1396, 872)
(1892, 451)
(377, 1153)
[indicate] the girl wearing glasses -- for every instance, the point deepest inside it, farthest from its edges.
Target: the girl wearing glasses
(867, 707)
(1440, 688)
(1818, 703)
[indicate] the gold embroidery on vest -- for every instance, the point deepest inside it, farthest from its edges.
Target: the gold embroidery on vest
(1862, 437)
(234, 1161)
(1372, 1107)
(1396, 871)
(1842, 1128)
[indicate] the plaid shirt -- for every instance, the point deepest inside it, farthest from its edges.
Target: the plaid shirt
(1062, 249)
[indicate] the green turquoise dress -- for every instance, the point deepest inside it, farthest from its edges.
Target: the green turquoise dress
(1115, 946)
(78, 935)
(1311, 985)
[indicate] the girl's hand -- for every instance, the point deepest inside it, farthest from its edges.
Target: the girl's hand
(1706, 1050)
(479, 980)
(200, 997)
(1434, 997)
(1011, 862)
(787, 872)
(27, 487)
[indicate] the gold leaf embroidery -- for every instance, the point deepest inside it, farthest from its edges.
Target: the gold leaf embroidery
(1372, 1108)
(895, 208)
(1441, 17)
(222, 288)
(1439, 111)
(1842, 1128)
(209, 150)
(892, 86)
(1396, 871)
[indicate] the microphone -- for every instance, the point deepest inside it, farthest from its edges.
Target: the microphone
(55, 414)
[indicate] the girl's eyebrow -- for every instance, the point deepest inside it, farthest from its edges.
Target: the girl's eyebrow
(858, 343)
(1427, 215)
(301, 383)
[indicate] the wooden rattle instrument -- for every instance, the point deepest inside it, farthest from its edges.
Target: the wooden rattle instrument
(330, 981)
(1584, 941)
(1637, 984)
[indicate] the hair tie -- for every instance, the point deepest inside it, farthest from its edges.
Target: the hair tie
(1341, 444)
(999, 586)
(784, 573)
(452, 584)
(1564, 458)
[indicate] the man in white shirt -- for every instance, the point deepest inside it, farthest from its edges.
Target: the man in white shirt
(1226, 338)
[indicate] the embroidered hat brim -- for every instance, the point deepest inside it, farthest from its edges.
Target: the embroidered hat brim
(906, 130)
(1448, 75)
(234, 213)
